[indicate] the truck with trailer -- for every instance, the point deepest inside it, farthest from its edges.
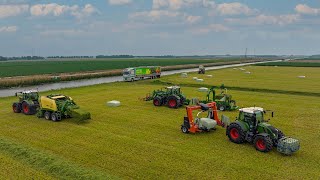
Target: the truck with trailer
(139, 73)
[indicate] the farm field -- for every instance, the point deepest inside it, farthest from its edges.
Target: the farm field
(295, 63)
(24, 68)
(138, 140)
(266, 78)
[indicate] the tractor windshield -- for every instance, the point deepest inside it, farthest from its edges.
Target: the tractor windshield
(259, 116)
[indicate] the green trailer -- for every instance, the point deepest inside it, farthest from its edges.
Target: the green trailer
(139, 73)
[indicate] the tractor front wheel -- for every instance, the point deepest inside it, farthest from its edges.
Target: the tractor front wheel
(16, 107)
(157, 101)
(47, 115)
(263, 143)
(235, 133)
(173, 102)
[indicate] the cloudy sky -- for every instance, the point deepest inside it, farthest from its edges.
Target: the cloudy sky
(159, 27)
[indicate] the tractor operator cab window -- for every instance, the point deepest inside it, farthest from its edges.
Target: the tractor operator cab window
(259, 116)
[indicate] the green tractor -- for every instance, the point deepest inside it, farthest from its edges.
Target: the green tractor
(224, 101)
(251, 127)
(202, 70)
(56, 106)
(172, 97)
(28, 102)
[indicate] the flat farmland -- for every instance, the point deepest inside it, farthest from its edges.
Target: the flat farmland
(138, 140)
(265, 78)
(25, 68)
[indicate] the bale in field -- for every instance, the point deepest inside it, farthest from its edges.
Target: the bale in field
(113, 103)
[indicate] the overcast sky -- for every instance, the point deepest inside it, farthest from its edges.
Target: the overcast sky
(159, 27)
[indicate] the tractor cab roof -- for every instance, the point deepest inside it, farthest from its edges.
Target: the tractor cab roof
(173, 87)
(251, 110)
(29, 91)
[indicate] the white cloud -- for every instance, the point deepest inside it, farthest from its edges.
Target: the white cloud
(120, 2)
(193, 19)
(165, 16)
(58, 10)
(305, 9)
(12, 10)
(8, 29)
(63, 32)
(266, 20)
(154, 15)
(178, 4)
(210, 28)
(234, 9)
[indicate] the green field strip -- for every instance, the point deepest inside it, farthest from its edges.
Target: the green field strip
(242, 89)
(48, 164)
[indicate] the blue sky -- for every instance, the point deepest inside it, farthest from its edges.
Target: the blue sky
(159, 27)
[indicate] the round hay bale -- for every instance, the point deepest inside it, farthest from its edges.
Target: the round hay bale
(195, 78)
(184, 75)
(248, 72)
(203, 89)
(113, 103)
(200, 80)
(209, 75)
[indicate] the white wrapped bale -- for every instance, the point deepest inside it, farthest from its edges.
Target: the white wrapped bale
(301, 76)
(113, 103)
(248, 72)
(209, 76)
(200, 80)
(184, 75)
(195, 78)
(203, 89)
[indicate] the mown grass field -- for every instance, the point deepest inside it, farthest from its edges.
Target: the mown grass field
(138, 140)
(298, 63)
(24, 68)
(266, 78)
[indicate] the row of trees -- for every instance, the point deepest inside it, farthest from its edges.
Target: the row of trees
(69, 57)
(21, 58)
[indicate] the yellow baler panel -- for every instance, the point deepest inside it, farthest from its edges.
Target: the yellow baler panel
(48, 103)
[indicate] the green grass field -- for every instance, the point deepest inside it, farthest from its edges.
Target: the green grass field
(292, 64)
(24, 68)
(138, 140)
(265, 78)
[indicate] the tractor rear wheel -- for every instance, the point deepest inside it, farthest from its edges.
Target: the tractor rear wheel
(26, 108)
(173, 102)
(235, 133)
(184, 129)
(157, 101)
(47, 115)
(263, 143)
(16, 107)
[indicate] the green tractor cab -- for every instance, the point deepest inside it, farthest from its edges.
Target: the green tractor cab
(251, 126)
(171, 97)
(28, 102)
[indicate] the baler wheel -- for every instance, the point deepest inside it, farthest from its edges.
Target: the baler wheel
(54, 117)
(263, 143)
(47, 115)
(235, 133)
